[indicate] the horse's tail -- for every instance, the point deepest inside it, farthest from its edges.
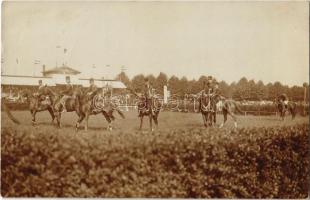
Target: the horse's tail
(8, 112)
(120, 113)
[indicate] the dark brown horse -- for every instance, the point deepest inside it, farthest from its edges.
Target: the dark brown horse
(71, 104)
(207, 108)
(144, 111)
(291, 107)
(39, 104)
(94, 104)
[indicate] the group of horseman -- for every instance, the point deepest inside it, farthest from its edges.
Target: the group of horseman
(44, 91)
(210, 89)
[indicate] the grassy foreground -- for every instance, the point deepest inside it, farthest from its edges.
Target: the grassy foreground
(187, 162)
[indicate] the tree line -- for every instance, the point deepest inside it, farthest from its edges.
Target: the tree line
(244, 89)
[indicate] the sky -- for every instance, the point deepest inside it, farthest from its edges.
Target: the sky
(266, 41)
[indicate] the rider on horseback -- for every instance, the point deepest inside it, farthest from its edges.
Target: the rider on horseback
(209, 87)
(148, 94)
(67, 93)
(284, 99)
(209, 90)
(43, 92)
(92, 87)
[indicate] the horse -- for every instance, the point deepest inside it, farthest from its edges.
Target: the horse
(143, 111)
(291, 107)
(207, 109)
(88, 106)
(71, 105)
(228, 107)
(38, 105)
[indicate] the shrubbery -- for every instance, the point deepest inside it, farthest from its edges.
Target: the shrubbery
(247, 163)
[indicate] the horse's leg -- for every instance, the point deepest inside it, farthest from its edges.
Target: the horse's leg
(108, 118)
(58, 117)
(33, 114)
(234, 118)
(86, 123)
(50, 110)
(151, 121)
(155, 120)
(210, 118)
(204, 118)
(141, 121)
(81, 118)
(225, 117)
(293, 113)
(214, 118)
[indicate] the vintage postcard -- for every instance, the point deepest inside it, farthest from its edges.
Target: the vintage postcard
(158, 99)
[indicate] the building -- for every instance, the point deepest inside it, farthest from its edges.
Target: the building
(55, 77)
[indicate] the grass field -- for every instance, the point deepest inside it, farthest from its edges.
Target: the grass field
(263, 158)
(167, 121)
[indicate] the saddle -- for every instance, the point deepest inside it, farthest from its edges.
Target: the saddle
(44, 100)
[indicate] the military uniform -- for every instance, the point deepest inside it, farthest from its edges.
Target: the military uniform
(67, 93)
(283, 98)
(148, 94)
(92, 88)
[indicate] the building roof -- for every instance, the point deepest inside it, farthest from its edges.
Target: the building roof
(25, 80)
(103, 83)
(33, 81)
(64, 69)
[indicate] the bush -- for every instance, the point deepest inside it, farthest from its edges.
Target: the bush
(213, 163)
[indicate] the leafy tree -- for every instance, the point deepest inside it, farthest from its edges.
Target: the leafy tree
(124, 78)
(161, 81)
(137, 83)
(173, 85)
(152, 79)
(225, 89)
(183, 86)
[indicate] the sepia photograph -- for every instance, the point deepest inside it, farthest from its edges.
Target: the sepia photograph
(155, 99)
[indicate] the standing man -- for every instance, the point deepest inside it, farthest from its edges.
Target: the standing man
(67, 93)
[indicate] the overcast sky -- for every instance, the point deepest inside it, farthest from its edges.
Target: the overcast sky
(259, 40)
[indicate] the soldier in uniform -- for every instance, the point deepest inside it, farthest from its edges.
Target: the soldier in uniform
(67, 93)
(40, 92)
(43, 92)
(284, 99)
(148, 94)
(92, 87)
(209, 86)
